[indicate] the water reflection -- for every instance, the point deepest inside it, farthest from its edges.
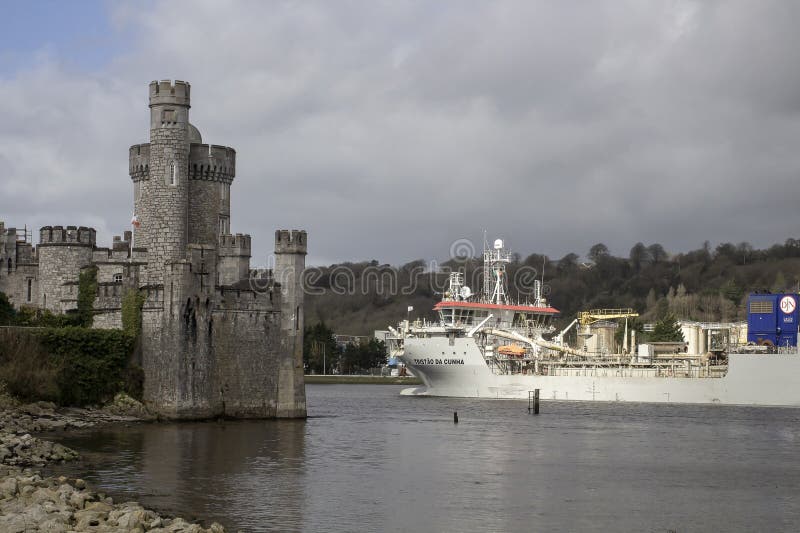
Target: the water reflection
(371, 460)
(251, 470)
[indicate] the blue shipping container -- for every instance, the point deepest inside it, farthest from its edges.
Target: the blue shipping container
(772, 319)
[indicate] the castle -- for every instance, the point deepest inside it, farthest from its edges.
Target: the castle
(216, 339)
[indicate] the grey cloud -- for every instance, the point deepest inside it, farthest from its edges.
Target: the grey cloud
(389, 130)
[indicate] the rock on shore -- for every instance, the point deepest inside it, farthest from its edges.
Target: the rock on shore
(45, 416)
(30, 502)
(24, 450)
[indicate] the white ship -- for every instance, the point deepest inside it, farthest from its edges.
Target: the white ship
(485, 346)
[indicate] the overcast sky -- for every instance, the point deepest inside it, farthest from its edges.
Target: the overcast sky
(388, 130)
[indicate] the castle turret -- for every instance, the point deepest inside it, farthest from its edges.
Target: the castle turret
(290, 261)
(234, 258)
(181, 186)
(161, 178)
(62, 254)
(211, 172)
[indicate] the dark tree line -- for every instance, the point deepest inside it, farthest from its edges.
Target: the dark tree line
(705, 284)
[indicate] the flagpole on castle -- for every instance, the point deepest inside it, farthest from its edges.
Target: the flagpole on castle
(135, 223)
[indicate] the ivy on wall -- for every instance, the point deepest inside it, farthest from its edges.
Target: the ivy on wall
(132, 303)
(87, 291)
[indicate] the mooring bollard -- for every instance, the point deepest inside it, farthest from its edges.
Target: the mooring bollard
(455, 417)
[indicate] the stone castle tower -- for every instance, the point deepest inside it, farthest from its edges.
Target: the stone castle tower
(290, 251)
(217, 338)
(181, 186)
(217, 344)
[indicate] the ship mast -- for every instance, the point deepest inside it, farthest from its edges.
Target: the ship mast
(487, 275)
(494, 272)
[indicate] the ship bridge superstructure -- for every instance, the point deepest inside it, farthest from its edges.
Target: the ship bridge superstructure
(461, 308)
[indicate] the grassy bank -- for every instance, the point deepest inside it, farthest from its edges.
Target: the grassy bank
(361, 380)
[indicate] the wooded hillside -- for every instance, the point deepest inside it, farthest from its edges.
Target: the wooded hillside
(708, 284)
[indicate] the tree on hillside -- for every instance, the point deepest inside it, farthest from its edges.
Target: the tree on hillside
(598, 251)
(567, 264)
(667, 330)
(727, 250)
(638, 256)
(657, 253)
(744, 250)
(779, 285)
(708, 284)
(732, 291)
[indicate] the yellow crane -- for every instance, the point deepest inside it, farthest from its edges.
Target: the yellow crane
(596, 315)
(587, 318)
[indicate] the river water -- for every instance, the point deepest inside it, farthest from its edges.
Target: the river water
(369, 459)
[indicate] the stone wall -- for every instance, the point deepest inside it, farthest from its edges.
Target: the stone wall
(59, 267)
(204, 209)
(19, 269)
(107, 319)
(107, 271)
(211, 352)
(247, 350)
(22, 282)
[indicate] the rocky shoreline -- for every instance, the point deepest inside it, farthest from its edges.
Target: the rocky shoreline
(31, 502)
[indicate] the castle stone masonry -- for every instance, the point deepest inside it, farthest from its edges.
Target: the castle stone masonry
(217, 340)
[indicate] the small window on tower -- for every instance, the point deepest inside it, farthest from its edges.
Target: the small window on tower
(117, 278)
(173, 174)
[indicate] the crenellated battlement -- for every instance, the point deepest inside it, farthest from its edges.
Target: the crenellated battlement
(212, 162)
(71, 235)
(167, 92)
(139, 161)
(291, 242)
(234, 245)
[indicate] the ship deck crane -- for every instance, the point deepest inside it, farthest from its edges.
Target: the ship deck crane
(559, 339)
(587, 318)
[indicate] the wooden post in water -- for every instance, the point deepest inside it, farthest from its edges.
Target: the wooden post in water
(455, 417)
(533, 401)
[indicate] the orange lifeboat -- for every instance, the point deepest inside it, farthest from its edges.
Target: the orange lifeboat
(511, 350)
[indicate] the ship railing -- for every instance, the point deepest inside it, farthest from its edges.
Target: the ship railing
(654, 372)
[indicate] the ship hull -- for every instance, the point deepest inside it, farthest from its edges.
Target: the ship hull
(456, 368)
